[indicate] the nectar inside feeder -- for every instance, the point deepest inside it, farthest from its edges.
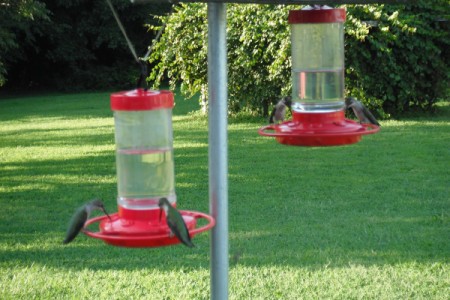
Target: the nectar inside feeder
(318, 105)
(145, 173)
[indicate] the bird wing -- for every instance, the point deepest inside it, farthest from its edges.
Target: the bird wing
(280, 113)
(178, 226)
(369, 116)
(76, 224)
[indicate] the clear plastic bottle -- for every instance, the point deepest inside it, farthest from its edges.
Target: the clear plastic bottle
(144, 148)
(317, 38)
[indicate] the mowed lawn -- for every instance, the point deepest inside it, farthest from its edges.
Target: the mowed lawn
(365, 221)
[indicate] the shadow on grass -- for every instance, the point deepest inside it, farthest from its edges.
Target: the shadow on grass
(39, 137)
(274, 220)
(381, 201)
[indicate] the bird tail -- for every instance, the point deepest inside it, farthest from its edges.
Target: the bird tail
(272, 114)
(189, 244)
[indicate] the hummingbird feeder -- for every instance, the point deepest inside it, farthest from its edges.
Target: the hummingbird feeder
(318, 107)
(145, 173)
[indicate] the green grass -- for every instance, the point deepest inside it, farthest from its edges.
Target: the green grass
(366, 221)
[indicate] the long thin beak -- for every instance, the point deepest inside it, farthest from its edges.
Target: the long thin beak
(104, 210)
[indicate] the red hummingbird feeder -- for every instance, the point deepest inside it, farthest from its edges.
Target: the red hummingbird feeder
(318, 105)
(145, 173)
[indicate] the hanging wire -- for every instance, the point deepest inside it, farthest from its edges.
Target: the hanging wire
(119, 23)
(141, 61)
(158, 35)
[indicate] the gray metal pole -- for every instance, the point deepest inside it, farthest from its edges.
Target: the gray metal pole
(218, 147)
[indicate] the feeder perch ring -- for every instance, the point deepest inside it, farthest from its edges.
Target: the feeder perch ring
(334, 134)
(148, 239)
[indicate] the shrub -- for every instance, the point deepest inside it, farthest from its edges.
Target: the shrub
(396, 55)
(400, 58)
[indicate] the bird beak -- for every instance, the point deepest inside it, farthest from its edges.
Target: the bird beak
(109, 217)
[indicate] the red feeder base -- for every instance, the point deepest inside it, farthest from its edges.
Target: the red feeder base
(142, 228)
(318, 129)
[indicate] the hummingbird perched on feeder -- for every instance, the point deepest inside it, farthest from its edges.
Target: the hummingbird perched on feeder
(175, 222)
(80, 217)
(279, 111)
(361, 112)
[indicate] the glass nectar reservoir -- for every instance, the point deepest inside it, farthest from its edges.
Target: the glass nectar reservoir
(317, 43)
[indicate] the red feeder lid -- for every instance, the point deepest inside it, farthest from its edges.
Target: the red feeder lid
(141, 99)
(142, 228)
(313, 15)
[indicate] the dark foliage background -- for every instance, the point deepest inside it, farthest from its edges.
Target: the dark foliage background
(397, 56)
(400, 61)
(71, 45)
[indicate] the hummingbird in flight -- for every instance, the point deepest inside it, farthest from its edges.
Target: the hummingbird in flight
(175, 222)
(361, 112)
(80, 217)
(279, 111)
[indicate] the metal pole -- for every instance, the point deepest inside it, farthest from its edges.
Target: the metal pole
(218, 148)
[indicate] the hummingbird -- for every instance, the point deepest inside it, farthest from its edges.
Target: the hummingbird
(175, 222)
(279, 111)
(361, 112)
(80, 217)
